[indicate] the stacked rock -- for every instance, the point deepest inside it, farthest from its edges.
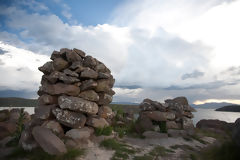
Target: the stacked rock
(74, 95)
(175, 113)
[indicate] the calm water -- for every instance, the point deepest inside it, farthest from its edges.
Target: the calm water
(200, 114)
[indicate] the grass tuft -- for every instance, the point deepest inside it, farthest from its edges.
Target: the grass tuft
(106, 131)
(121, 150)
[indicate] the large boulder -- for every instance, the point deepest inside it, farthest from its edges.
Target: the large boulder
(181, 100)
(4, 115)
(6, 129)
(172, 125)
(144, 123)
(214, 124)
(77, 104)
(48, 141)
(70, 119)
(73, 56)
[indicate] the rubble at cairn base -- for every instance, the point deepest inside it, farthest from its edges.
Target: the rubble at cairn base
(74, 95)
(174, 116)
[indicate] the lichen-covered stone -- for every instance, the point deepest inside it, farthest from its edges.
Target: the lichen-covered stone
(69, 118)
(77, 104)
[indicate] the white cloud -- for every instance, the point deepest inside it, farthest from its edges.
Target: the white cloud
(151, 44)
(20, 68)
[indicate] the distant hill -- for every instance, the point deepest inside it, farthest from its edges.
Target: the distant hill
(17, 102)
(127, 103)
(212, 105)
(230, 108)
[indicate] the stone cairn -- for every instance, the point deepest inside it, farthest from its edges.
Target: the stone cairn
(74, 95)
(175, 113)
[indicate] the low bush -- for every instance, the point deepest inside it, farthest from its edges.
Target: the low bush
(106, 131)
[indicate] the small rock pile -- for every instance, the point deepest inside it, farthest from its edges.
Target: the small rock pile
(174, 113)
(74, 96)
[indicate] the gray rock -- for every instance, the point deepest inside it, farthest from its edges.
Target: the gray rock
(70, 73)
(105, 112)
(102, 68)
(104, 99)
(79, 52)
(89, 61)
(47, 68)
(154, 135)
(77, 104)
(47, 99)
(44, 111)
(55, 54)
(169, 115)
(4, 115)
(187, 123)
(68, 79)
(82, 133)
(48, 141)
(103, 85)
(156, 105)
(90, 95)
(144, 123)
(172, 125)
(52, 78)
(73, 56)
(55, 127)
(60, 88)
(64, 51)
(181, 100)
(88, 84)
(155, 115)
(97, 122)
(27, 141)
(89, 73)
(76, 65)
(145, 106)
(70, 119)
(102, 75)
(59, 64)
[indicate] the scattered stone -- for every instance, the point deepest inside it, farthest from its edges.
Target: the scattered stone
(88, 84)
(7, 128)
(236, 132)
(70, 73)
(155, 115)
(47, 68)
(79, 52)
(187, 123)
(89, 61)
(4, 115)
(48, 141)
(176, 133)
(172, 125)
(73, 56)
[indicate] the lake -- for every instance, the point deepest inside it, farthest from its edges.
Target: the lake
(200, 114)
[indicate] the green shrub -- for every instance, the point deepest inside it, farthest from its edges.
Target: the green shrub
(106, 131)
(163, 127)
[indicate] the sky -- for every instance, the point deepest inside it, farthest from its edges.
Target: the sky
(155, 49)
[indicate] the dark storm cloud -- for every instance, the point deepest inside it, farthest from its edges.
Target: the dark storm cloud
(194, 74)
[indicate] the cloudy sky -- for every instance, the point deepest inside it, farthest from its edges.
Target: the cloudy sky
(155, 48)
